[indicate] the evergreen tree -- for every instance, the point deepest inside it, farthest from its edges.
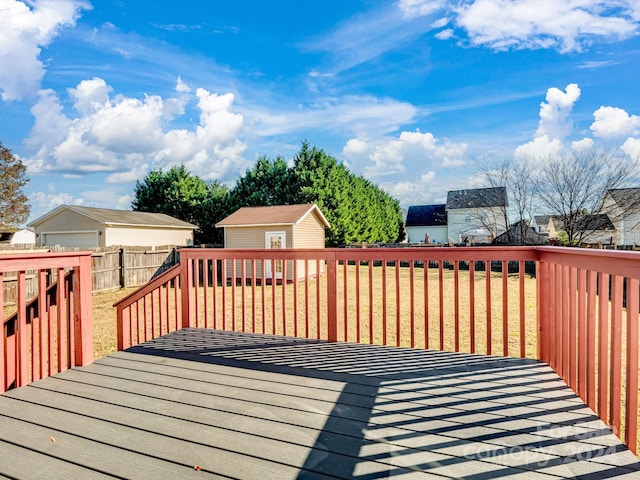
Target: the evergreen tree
(14, 209)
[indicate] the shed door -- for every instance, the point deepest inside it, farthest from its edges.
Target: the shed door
(71, 239)
(275, 240)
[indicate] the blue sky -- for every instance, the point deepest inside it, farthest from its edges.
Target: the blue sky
(413, 94)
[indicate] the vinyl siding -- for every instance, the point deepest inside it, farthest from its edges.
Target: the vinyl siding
(309, 233)
(147, 237)
(437, 234)
(67, 221)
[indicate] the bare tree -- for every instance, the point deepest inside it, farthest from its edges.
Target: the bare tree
(521, 183)
(573, 186)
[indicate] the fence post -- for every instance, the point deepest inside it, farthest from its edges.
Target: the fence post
(123, 272)
(82, 314)
(332, 298)
(186, 283)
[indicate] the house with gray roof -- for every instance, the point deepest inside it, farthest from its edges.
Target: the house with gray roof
(622, 205)
(427, 224)
(476, 215)
(87, 227)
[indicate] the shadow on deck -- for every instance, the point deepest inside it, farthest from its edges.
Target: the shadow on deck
(199, 403)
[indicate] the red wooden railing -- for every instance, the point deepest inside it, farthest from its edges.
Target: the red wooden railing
(52, 331)
(477, 300)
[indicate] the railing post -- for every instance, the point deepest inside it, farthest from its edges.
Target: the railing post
(82, 314)
(3, 339)
(332, 298)
(542, 310)
(186, 284)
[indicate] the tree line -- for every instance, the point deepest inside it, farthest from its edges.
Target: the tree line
(357, 210)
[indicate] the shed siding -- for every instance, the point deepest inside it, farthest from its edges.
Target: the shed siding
(151, 237)
(309, 233)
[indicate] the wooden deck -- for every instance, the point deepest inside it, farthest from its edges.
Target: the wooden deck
(212, 404)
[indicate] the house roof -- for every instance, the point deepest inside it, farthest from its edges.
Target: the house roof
(477, 198)
(109, 217)
(599, 221)
(542, 220)
(427, 215)
(625, 197)
(271, 215)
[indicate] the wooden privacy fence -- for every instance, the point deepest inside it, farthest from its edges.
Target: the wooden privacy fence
(579, 313)
(52, 330)
(111, 268)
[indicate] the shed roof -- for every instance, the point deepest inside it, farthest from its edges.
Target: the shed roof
(271, 215)
(427, 215)
(477, 198)
(107, 216)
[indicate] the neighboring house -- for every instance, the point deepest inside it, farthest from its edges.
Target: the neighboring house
(23, 236)
(514, 235)
(280, 226)
(427, 224)
(476, 215)
(598, 228)
(86, 227)
(541, 223)
(623, 208)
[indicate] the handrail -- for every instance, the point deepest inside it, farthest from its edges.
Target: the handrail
(53, 331)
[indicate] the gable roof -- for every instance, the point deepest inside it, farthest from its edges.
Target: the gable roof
(477, 198)
(625, 197)
(111, 217)
(272, 215)
(427, 215)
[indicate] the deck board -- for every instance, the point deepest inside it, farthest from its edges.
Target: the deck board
(255, 406)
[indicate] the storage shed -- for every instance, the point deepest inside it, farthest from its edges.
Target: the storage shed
(280, 226)
(87, 227)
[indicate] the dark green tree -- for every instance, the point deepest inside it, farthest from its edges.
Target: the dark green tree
(14, 207)
(268, 182)
(182, 195)
(357, 210)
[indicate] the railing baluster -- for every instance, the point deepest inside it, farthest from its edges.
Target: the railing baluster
(616, 354)
(412, 303)
(505, 309)
(441, 302)
(603, 344)
(631, 407)
(582, 334)
(521, 303)
(488, 320)
(456, 306)
(472, 307)
(398, 302)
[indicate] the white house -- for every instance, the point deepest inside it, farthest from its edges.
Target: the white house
(427, 224)
(622, 205)
(476, 215)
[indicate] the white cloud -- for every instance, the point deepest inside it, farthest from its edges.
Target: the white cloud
(445, 34)
(125, 136)
(26, 28)
(419, 8)
(554, 113)
(532, 24)
(415, 152)
(583, 145)
(632, 148)
(539, 148)
(612, 123)
(43, 201)
(364, 116)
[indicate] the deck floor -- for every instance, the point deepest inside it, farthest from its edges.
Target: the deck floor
(211, 404)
